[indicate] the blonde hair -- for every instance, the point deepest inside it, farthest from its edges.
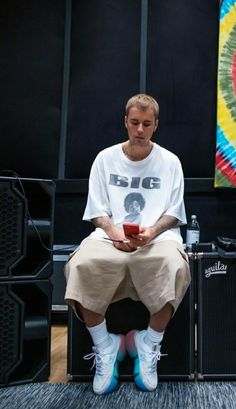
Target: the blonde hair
(143, 102)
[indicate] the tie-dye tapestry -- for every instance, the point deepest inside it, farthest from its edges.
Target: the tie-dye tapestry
(225, 169)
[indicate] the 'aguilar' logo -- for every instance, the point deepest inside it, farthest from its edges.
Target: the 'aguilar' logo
(217, 268)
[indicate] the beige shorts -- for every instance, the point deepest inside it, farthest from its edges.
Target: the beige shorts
(98, 274)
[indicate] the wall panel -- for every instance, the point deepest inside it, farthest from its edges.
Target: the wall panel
(104, 74)
(181, 74)
(32, 49)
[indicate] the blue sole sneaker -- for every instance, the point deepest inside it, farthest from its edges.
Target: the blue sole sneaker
(107, 362)
(145, 360)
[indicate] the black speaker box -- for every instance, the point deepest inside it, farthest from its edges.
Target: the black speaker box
(216, 317)
(126, 315)
(26, 234)
(60, 256)
(25, 314)
(26, 228)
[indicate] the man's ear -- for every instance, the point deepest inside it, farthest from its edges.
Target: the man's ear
(157, 121)
(126, 121)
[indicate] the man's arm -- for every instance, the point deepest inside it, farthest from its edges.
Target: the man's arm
(164, 223)
(105, 223)
(113, 232)
(147, 234)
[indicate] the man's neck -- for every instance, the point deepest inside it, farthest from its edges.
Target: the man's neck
(136, 153)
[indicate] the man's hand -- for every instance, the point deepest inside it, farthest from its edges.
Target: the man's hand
(114, 233)
(118, 234)
(146, 235)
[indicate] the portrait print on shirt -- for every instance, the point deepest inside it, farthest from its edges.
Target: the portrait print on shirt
(134, 203)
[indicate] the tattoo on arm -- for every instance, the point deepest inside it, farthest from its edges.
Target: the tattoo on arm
(165, 223)
(103, 222)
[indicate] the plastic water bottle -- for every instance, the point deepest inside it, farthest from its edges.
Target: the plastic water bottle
(193, 232)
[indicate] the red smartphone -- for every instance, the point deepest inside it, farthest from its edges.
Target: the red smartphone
(130, 229)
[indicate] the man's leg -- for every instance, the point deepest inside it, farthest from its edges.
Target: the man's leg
(90, 318)
(159, 321)
(165, 281)
(108, 351)
(157, 325)
(93, 274)
(96, 325)
(144, 347)
(93, 280)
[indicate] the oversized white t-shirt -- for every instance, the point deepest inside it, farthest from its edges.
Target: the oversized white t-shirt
(136, 191)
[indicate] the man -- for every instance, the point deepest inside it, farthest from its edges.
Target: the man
(150, 266)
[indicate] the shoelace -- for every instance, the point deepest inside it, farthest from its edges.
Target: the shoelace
(99, 361)
(151, 362)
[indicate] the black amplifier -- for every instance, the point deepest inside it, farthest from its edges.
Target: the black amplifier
(216, 290)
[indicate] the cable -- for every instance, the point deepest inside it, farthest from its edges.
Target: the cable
(18, 178)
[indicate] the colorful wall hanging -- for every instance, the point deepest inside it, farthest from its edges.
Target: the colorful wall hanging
(225, 167)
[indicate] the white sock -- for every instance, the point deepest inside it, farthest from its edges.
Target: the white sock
(153, 337)
(100, 336)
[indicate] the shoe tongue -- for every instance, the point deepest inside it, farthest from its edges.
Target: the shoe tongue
(148, 348)
(155, 347)
(105, 351)
(152, 348)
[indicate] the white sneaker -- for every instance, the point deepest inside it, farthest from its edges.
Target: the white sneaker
(106, 362)
(145, 360)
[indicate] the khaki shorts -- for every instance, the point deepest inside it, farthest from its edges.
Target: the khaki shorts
(98, 274)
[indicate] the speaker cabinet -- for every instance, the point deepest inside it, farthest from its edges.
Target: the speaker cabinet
(216, 317)
(126, 315)
(60, 256)
(26, 228)
(26, 236)
(25, 313)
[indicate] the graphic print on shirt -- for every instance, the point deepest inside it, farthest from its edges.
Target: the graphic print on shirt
(135, 182)
(134, 203)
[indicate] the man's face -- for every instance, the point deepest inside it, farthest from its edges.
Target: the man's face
(140, 126)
